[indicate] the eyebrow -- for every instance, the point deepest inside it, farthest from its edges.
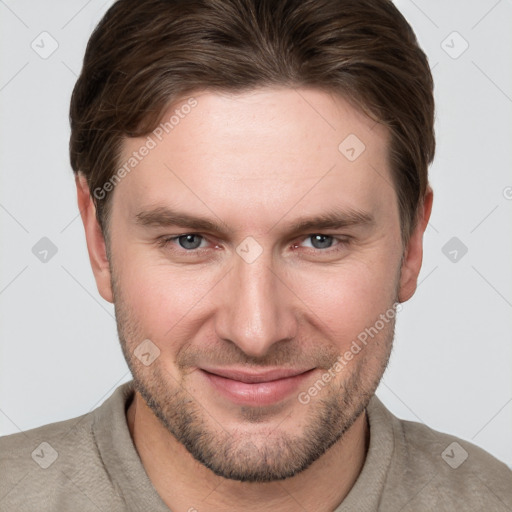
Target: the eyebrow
(162, 216)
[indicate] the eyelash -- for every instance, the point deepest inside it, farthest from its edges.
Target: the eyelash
(165, 241)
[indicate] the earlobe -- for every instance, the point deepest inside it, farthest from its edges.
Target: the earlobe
(95, 239)
(413, 255)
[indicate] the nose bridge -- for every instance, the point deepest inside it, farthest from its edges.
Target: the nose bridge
(255, 312)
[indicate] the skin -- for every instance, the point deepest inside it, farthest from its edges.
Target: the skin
(255, 163)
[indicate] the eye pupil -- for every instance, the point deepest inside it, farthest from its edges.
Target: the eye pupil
(321, 241)
(187, 241)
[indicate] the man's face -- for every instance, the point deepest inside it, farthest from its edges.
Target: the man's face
(259, 292)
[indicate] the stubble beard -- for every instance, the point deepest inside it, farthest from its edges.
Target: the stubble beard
(272, 454)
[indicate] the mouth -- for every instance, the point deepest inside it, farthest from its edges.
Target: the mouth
(255, 388)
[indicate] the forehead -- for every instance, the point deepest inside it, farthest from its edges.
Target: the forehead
(259, 153)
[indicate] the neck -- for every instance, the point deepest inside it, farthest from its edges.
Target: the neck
(185, 484)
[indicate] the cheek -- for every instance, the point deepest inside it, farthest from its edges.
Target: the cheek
(161, 297)
(342, 303)
(171, 306)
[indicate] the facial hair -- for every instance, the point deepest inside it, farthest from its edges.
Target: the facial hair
(273, 453)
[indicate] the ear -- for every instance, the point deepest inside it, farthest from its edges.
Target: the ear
(413, 255)
(95, 239)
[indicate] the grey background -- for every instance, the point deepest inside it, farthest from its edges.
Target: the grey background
(452, 360)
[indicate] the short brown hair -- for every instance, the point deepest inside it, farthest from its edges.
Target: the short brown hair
(146, 54)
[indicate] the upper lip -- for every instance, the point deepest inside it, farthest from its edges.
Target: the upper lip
(251, 377)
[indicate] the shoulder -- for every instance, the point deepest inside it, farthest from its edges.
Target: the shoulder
(50, 467)
(18, 443)
(432, 469)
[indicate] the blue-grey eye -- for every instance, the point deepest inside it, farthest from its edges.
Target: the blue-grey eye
(321, 241)
(190, 241)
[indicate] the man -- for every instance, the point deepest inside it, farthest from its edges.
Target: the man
(252, 180)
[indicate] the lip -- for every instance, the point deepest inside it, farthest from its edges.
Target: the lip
(255, 388)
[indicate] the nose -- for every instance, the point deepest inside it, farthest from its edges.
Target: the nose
(256, 308)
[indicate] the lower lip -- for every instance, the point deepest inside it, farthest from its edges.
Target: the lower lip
(257, 393)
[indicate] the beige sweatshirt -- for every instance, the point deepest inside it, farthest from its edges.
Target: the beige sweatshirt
(90, 463)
